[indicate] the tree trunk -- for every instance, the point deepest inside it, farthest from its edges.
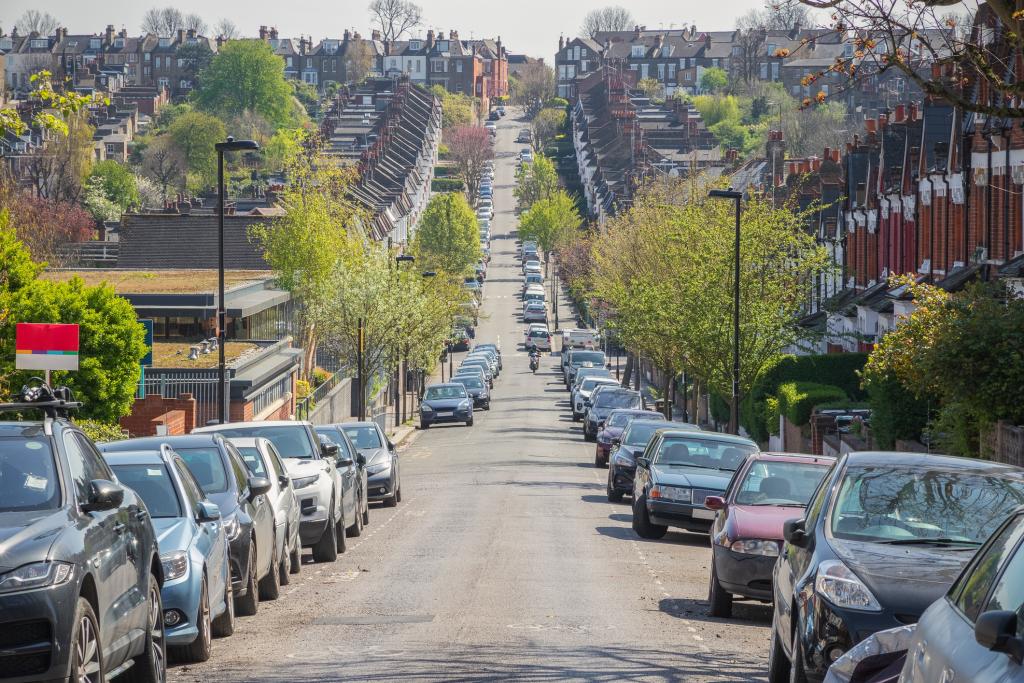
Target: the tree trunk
(627, 373)
(667, 396)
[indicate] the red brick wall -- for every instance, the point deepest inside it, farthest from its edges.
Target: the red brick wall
(177, 414)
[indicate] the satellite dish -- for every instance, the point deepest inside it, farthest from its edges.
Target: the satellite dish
(674, 173)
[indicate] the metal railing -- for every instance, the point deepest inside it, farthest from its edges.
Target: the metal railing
(305, 407)
(202, 389)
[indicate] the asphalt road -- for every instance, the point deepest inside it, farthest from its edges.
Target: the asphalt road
(504, 560)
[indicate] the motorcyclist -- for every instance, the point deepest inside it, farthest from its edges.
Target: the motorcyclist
(534, 359)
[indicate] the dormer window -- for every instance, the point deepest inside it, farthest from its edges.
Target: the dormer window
(40, 43)
(94, 43)
(165, 42)
(414, 45)
(118, 42)
(443, 45)
(638, 51)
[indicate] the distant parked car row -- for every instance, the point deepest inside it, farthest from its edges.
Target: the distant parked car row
(470, 388)
(114, 557)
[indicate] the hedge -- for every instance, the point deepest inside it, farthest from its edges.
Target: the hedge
(836, 369)
(447, 185)
(797, 400)
(445, 171)
(895, 413)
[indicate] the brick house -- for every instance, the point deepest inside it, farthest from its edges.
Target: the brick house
(172, 71)
(477, 68)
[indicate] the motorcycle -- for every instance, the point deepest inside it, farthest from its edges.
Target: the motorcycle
(534, 362)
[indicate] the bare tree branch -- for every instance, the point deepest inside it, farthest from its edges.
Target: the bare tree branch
(34, 21)
(395, 17)
(611, 18)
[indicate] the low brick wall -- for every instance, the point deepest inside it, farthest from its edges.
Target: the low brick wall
(149, 414)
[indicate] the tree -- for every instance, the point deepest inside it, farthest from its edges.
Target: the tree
(448, 237)
(714, 80)
(118, 183)
(395, 17)
(611, 18)
(55, 108)
(457, 109)
(196, 133)
(164, 162)
(546, 125)
(246, 75)
(225, 28)
(194, 58)
(35, 21)
(163, 21)
(652, 88)
(715, 108)
(551, 221)
(56, 170)
(359, 61)
(469, 147)
(316, 238)
(194, 22)
(535, 181)
(45, 227)
(536, 82)
(96, 202)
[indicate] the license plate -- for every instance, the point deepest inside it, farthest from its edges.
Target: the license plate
(445, 413)
(701, 513)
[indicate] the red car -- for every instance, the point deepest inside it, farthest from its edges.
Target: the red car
(746, 535)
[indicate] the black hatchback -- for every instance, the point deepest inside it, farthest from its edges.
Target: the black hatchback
(883, 537)
(80, 572)
(246, 514)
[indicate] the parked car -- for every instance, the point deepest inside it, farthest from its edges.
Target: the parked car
(532, 279)
(80, 570)
(534, 293)
(501, 110)
(582, 339)
(526, 156)
(493, 116)
(460, 337)
(576, 359)
(535, 311)
(629, 446)
(531, 266)
(197, 595)
(384, 476)
(490, 357)
(746, 535)
(602, 402)
(484, 365)
(883, 537)
(263, 460)
(678, 470)
(477, 390)
(524, 137)
(491, 347)
(446, 403)
(584, 387)
(472, 371)
(314, 476)
(612, 428)
(352, 466)
(975, 633)
(538, 338)
(246, 516)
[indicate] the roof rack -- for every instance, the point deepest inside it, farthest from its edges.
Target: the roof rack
(53, 403)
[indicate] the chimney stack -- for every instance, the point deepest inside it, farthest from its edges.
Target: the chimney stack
(108, 35)
(561, 43)
(430, 38)
(347, 35)
(181, 36)
(636, 32)
(273, 33)
(913, 111)
(375, 34)
(264, 35)
(901, 111)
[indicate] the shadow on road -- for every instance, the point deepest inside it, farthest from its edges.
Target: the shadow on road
(627, 534)
(684, 608)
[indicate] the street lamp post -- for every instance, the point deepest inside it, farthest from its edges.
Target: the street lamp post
(229, 145)
(399, 260)
(734, 413)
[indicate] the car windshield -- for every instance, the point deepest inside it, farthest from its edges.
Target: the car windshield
(28, 472)
(591, 382)
(538, 333)
(639, 433)
(207, 467)
(581, 357)
(617, 419)
(441, 393)
(767, 482)
(364, 436)
(253, 460)
(153, 484)
(617, 399)
(470, 382)
(705, 453)
(897, 504)
(291, 441)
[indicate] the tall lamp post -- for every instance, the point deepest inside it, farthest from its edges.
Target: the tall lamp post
(734, 413)
(399, 260)
(229, 145)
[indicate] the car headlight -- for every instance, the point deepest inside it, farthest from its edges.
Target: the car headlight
(303, 482)
(36, 575)
(232, 527)
(752, 546)
(623, 460)
(426, 409)
(176, 563)
(602, 438)
(378, 468)
(840, 586)
(464, 405)
(676, 494)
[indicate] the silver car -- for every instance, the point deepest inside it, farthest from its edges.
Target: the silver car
(263, 460)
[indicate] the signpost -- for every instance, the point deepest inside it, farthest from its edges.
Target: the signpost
(47, 347)
(147, 360)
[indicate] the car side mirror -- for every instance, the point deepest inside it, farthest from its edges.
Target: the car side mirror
(329, 450)
(714, 503)
(103, 495)
(258, 486)
(361, 459)
(996, 630)
(343, 460)
(794, 532)
(391, 444)
(616, 442)
(643, 461)
(283, 481)
(207, 512)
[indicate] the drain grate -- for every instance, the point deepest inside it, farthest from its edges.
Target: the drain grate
(371, 620)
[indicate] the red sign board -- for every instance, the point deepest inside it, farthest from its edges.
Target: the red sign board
(45, 346)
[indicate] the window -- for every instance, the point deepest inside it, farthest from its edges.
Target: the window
(157, 63)
(414, 45)
(671, 71)
(437, 65)
(193, 492)
(118, 42)
(775, 71)
(583, 53)
(165, 42)
(661, 72)
(253, 460)
(238, 468)
(583, 67)
(764, 71)
(771, 50)
(1008, 594)
(309, 62)
(972, 588)
(458, 67)
(288, 62)
(644, 70)
(29, 478)
(637, 51)
(207, 467)
(85, 464)
(40, 43)
(146, 71)
(147, 56)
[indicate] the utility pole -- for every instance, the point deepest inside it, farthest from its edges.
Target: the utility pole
(734, 411)
(361, 409)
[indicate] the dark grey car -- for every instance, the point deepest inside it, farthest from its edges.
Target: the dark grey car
(383, 474)
(352, 466)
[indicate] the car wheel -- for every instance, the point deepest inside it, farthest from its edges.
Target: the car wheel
(642, 522)
(282, 568)
(469, 422)
(487, 406)
(613, 495)
(199, 649)
(575, 416)
(424, 425)
(270, 585)
(796, 667)
(778, 664)
(224, 625)
(86, 650)
(247, 605)
(356, 529)
(398, 493)
(719, 599)
(598, 462)
(295, 560)
(339, 531)
(151, 665)
(366, 510)
(326, 549)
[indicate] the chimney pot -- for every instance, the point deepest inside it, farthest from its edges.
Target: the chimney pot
(901, 111)
(869, 125)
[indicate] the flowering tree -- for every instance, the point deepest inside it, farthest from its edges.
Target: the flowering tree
(469, 147)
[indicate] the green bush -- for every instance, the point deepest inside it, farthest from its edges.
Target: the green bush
(895, 413)
(771, 415)
(447, 185)
(718, 406)
(443, 152)
(797, 400)
(557, 102)
(101, 431)
(445, 171)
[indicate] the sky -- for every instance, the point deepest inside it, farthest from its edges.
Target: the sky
(525, 26)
